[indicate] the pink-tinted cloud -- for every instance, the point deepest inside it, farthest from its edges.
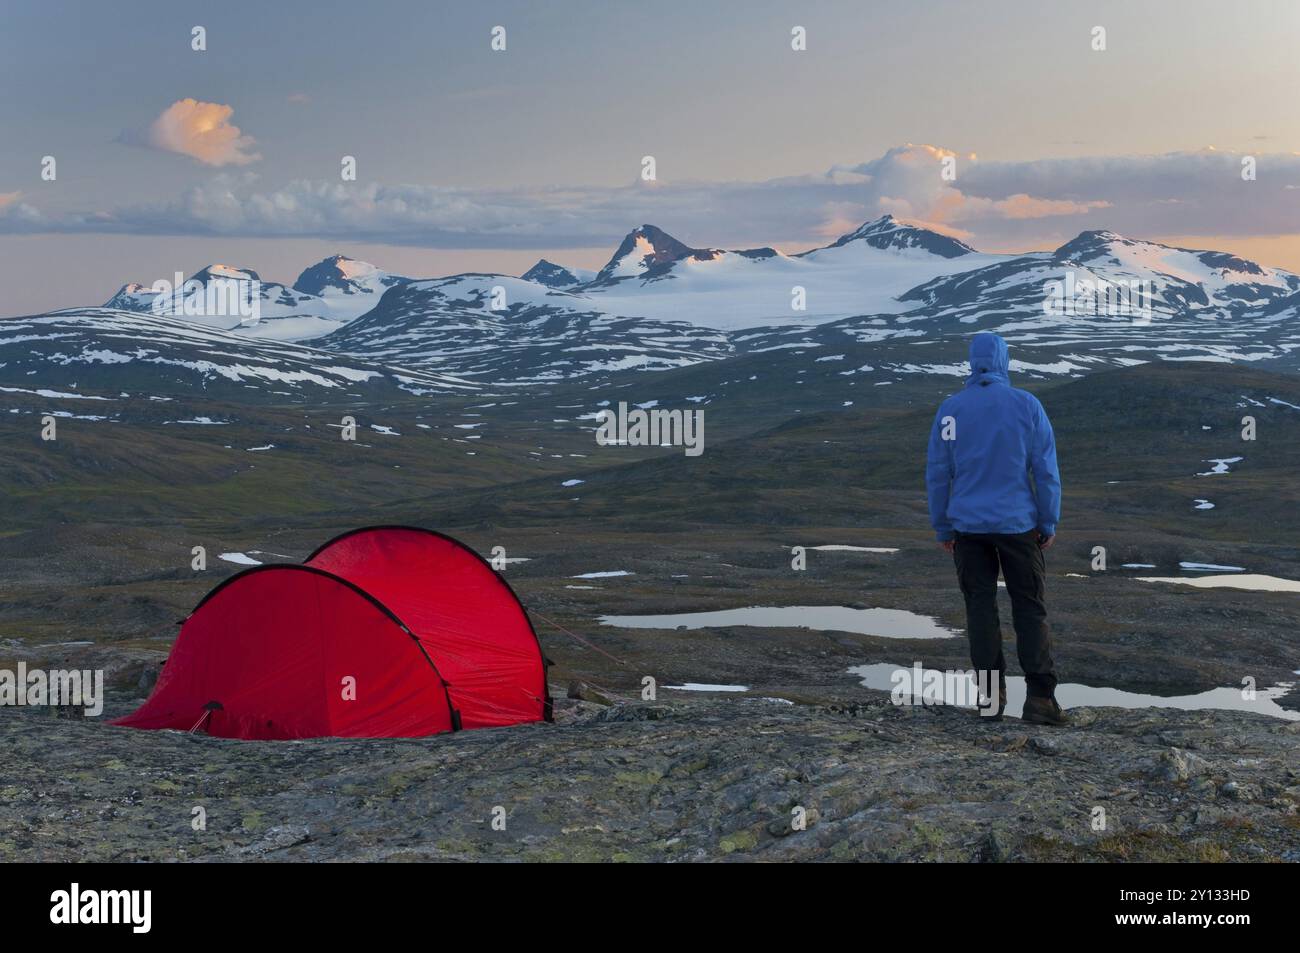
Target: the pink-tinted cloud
(1026, 206)
(202, 131)
(15, 212)
(906, 182)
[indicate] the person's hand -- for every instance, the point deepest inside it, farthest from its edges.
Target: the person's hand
(1045, 542)
(946, 545)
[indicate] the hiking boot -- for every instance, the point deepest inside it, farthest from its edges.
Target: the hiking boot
(1044, 711)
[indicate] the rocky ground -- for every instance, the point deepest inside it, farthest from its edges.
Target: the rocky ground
(96, 550)
(689, 779)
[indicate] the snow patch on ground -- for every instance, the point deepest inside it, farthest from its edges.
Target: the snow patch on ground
(1254, 582)
(1220, 465)
(836, 548)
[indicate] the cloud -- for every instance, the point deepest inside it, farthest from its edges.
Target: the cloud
(905, 181)
(1021, 205)
(17, 215)
(202, 131)
(1027, 204)
(1200, 192)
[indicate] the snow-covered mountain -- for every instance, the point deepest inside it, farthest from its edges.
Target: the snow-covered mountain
(325, 297)
(708, 304)
(650, 275)
(1208, 278)
(654, 275)
(132, 296)
(557, 276)
(1181, 280)
(221, 296)
(648, 253)
(339, 278)
(659, 303)
(887, 233)
(122, 354)
(499, 328)
(1183, 304)
(1065, 311)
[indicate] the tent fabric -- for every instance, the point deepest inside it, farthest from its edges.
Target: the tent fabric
(362, 641)
(464, 614)
(273, 645)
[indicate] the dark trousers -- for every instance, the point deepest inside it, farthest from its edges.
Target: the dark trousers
(978, 556)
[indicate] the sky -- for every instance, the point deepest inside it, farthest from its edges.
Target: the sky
(169, 158)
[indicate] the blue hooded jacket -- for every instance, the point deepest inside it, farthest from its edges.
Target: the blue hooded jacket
(985, 443)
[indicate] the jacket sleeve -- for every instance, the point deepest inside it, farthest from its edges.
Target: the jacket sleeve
(1047, 478)
(938, 479)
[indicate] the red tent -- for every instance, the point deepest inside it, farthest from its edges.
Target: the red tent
(463, 613)
(389, 631)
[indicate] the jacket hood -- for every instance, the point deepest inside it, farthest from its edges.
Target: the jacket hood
(988, 360)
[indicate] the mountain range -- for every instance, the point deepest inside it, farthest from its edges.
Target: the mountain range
(895, 288)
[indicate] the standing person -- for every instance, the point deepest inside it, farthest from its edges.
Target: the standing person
(986, 443)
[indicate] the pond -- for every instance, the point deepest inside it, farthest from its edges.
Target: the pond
(887, 623)
(1255, 582)
(882, 676)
